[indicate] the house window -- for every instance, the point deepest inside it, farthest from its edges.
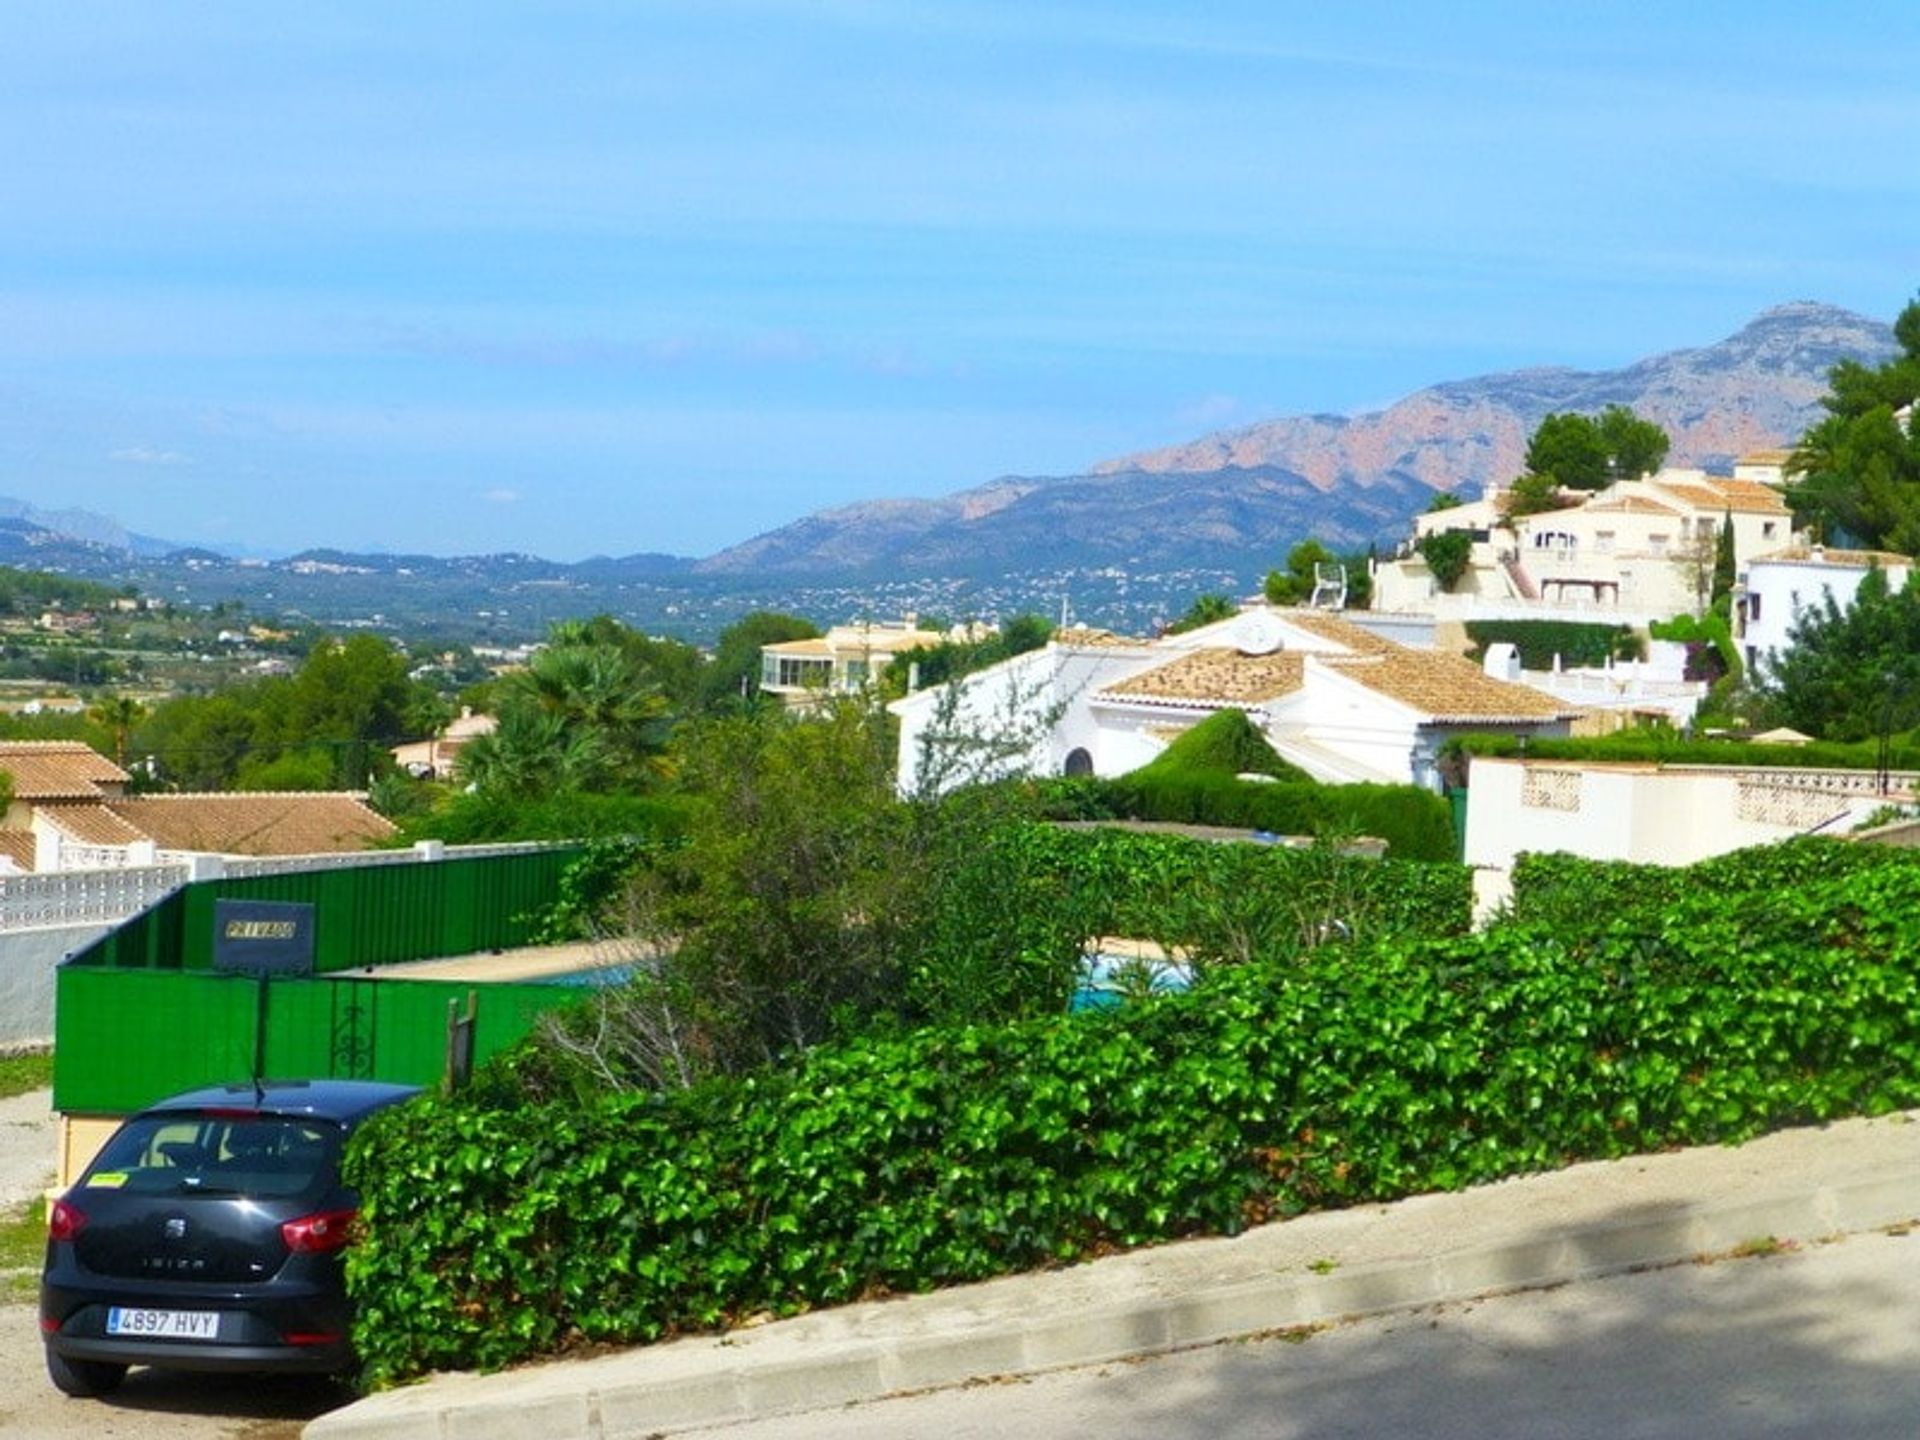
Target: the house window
(1766, 530)
(1603, 541)
(1079, 762)
(1753, 607)
(1657, 544)
(794, 673)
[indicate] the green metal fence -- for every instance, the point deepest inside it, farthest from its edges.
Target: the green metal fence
(141, 1013)
(127, 1037)
(365, 915)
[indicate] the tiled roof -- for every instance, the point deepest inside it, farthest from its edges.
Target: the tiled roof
(19, 847)
(257, 823)
(90, 824)
(1328, 626)
(1086, 638)
(1442, 688)
(817, 646)
(1222, 677)
(1803, 555)
(1748, 495)
(1448, 688)
(59, 770)
(1701, 497)
(1629, 505)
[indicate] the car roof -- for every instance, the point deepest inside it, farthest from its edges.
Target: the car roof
(343, 1100)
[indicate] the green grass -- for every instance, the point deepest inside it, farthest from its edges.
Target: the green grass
(21, 1073)
(23, 1245)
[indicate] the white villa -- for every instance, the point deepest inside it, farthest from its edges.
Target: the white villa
(1334, 698)
(846, 659)
(1776, 588)
(1638, 550)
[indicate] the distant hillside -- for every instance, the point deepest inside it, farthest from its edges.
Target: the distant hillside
(29, 529)
(1129, 544)
(1231, 498)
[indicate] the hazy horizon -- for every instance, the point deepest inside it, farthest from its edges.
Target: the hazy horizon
(609, 279)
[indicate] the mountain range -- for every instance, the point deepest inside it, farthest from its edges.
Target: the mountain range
(1349, 480)
(1138, 535)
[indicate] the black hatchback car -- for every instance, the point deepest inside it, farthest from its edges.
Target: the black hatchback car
(206, 1235)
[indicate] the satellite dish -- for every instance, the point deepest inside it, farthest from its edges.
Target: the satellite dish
(1257, 633)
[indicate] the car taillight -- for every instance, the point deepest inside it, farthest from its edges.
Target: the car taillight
(320, 1232)
(65, 1221)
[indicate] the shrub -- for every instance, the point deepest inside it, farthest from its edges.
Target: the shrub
(1577, 897)
(955, 1153)
(1415, 823)
(471, 819)
(1225, 743)
(1538, 641)
(1013, 919)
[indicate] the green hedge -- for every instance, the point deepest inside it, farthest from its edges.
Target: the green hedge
(1574, 896)
(1415, 823)
(569, 815)
(1014, 917)
(1226, 743)
(1538, 641)
(901, 1164)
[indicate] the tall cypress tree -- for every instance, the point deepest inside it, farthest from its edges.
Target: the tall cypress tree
(1723, 566)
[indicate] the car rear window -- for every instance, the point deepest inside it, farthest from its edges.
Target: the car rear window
(190, 1152)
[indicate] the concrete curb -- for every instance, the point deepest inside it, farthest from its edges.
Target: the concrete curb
(1591, 1220)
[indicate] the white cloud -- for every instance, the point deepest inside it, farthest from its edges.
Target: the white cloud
(501, 495)
(147, 455)
(1209, 410)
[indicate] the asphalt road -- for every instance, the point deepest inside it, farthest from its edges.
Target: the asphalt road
(151, 1405)
(1822, 1344)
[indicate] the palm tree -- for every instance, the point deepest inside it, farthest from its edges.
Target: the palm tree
(532, 753)
(118, 714)
(596, 690)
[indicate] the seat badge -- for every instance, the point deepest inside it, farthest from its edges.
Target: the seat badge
(175, 1228)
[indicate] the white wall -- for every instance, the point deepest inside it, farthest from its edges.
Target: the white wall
(1010, 699)
(28, 959)
(1782, 590)
(1672, 815)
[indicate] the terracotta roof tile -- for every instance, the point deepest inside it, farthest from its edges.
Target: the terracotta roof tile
(256, 823)
(1803, 555)
(1448, 688)
(59, 770)
(1748, 495)
(1629, 505)
(1442, 688)
(1328, 626)
(90, 824)
(1086, 638)
(1219, 677)
(1701, 497)
(19, 847)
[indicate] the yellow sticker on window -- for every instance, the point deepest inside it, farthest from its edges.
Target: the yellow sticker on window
(107, 1180)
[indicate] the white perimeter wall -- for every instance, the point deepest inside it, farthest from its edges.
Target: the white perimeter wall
(27, 962)
(1647, 814)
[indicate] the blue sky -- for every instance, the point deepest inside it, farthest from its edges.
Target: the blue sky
(583, 278)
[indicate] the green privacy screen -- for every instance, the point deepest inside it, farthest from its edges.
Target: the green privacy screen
(141, 1013)
(128, 1037)
(365, 915)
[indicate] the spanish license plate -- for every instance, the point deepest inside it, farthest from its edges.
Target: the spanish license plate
(164, 1324)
